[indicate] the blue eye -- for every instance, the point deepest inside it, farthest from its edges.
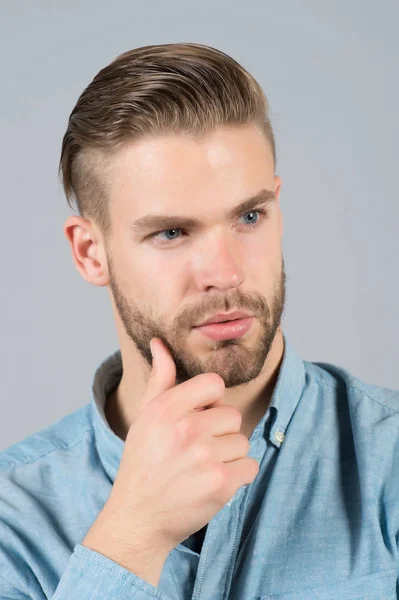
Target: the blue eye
(177, 229)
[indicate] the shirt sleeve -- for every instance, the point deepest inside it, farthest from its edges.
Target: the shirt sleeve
(92, 576)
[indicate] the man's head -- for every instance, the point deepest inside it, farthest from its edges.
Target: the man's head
(180, 130)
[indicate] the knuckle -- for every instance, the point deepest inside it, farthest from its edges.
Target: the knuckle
(202, 453)
(184, 431)
(217, 478)
(256, 466)
(244, 441)
(236, 416)
(253, 468)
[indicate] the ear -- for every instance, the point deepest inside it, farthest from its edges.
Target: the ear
(87, 250)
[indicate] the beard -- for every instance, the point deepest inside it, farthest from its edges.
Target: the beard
(238, 360)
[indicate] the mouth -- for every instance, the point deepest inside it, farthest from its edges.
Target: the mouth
(225, 330)
(225, 318)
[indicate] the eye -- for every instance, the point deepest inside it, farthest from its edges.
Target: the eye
(169, 241)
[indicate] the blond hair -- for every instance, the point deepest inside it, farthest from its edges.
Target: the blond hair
(184, 87)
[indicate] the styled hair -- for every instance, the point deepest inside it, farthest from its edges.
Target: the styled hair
(184, 88)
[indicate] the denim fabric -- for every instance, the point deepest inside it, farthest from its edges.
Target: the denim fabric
(320, 521)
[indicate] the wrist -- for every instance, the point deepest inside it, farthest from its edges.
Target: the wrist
(110, 534)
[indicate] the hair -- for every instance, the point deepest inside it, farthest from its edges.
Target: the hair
(184, 88)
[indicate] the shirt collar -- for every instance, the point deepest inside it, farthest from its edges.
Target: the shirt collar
(109, 445)
(286, 394)
(285, 397)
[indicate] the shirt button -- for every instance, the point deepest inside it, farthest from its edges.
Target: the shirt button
(279, 436)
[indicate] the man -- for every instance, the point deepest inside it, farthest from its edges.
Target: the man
(211, 461)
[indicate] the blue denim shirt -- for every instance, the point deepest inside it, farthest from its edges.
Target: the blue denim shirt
(320, 520)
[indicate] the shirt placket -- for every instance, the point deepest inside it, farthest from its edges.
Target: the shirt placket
(221, 543)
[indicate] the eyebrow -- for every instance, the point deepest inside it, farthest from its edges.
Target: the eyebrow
(163, 221)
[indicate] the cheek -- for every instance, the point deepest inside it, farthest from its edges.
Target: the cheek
(160, 268)
(259, 256)
(159, 279)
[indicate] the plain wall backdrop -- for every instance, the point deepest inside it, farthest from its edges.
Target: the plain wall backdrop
(330, 72)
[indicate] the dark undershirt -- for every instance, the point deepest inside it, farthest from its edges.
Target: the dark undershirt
(199, 539)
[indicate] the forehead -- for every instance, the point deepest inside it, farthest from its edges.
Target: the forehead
(175, 170)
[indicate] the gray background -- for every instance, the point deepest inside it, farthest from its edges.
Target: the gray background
(330, 72)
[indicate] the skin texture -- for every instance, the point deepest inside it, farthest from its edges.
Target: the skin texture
(162, 287)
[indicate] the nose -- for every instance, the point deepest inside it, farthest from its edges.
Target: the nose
(217, 265)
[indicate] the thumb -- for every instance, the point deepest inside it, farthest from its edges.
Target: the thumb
(163, 372)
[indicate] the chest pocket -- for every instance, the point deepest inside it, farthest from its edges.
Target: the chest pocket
(376, 586)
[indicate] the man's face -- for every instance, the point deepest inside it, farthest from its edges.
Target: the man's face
(166, 279)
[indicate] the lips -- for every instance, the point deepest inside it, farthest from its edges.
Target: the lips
(220, 331)
(219, 318)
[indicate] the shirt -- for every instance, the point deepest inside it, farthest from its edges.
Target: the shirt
(319, 521)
